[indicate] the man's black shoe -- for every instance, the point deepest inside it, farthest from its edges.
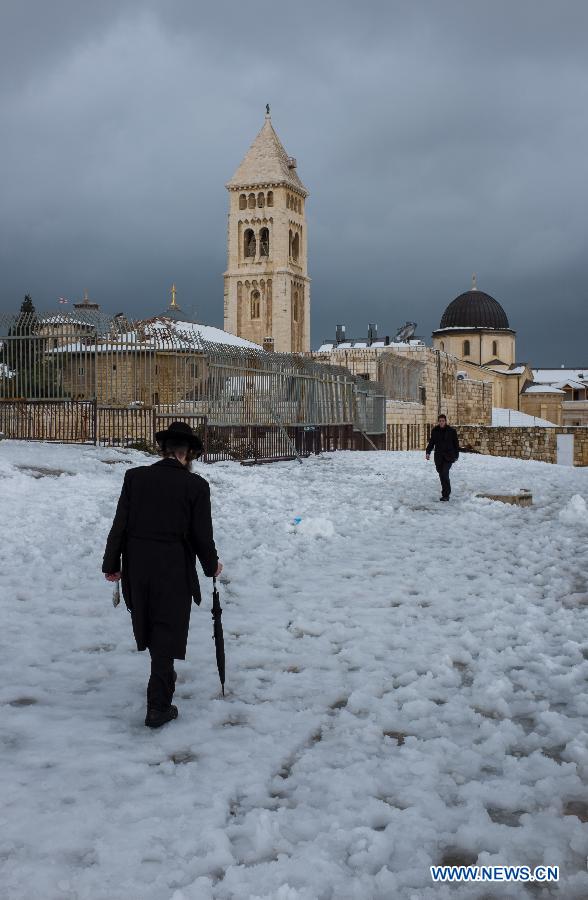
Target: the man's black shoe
(155, 718)
(444, 499)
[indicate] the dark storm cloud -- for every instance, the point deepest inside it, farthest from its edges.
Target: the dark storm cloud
(435, 139)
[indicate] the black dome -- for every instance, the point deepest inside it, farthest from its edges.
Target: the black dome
(474, 309)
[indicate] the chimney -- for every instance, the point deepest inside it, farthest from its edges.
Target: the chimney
(340, 334)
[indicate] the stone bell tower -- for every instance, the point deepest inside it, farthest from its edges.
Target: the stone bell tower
(267, 288)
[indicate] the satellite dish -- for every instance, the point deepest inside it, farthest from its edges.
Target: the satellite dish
(405, 333)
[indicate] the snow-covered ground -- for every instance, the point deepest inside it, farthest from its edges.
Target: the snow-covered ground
(406, 685)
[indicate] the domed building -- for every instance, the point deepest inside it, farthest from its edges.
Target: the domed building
(475, 328)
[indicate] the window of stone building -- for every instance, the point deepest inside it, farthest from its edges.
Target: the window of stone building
(270, 198)
(494, 348)
(251, 201)
(242, 201)
(260, 200)
(81, 370)
(249, 244)
(264, 242)
(466, 348)
(295, 246)
(442, 345)
(255, 305)
(288, 201)
(193, 370)
(296, 307)
(155, 399)
(114, 367)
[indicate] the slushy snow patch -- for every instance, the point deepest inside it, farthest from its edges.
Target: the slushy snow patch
(315, 527)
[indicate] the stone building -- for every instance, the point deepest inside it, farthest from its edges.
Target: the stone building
(563, 391)
(153, 362)
(266, 284)
(419, 383)
(475, 328)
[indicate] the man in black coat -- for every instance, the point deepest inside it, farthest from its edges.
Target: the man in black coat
(446, 444)
(163, 522)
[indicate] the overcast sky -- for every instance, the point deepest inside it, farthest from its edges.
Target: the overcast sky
(435, 138)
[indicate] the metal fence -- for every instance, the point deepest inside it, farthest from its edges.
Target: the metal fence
(84, 377)
(398, 377)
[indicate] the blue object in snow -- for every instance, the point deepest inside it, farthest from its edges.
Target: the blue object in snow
(296, 520)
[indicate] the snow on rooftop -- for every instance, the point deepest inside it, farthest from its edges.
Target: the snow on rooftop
(206, 332)
(160, 334)
(552, 376)
(503, 418)
(330, 346)
(542, 389)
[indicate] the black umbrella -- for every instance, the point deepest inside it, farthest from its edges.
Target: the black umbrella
(219, 640)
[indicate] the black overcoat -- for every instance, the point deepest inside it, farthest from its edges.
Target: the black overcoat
(445, 442)
(163, 522)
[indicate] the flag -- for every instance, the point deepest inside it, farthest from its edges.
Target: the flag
(62, 300)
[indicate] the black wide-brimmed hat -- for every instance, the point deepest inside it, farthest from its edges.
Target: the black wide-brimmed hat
(181, 432)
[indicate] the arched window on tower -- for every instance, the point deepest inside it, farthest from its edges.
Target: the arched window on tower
(494, 349)
(296, 306)
(242, 201)
(442, 345)
(251, 201)
(255, 305)
(270, 198)
(264, 242)
(466, 348)
(288, 201)
(260, 200)
(296, 246)
(249, 245)
(290, 243)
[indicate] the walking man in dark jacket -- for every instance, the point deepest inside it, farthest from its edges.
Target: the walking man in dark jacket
(446, 444)
(163, 522)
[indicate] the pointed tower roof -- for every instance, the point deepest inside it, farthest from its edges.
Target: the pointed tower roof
(266, 162)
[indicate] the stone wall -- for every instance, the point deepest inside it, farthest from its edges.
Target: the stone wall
(543, 405)
(439, 380)
(473, 402)
(406, 428)
(523, 443)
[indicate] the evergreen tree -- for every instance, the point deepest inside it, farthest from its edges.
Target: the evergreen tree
(27, 372)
